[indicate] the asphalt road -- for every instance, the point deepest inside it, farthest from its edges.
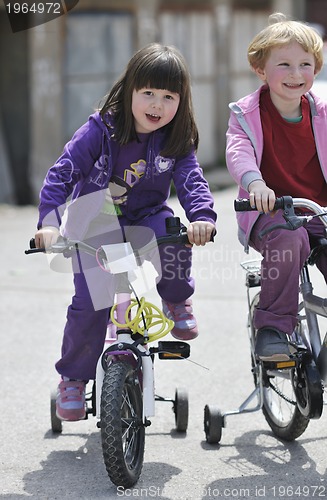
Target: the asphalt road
(248, 463)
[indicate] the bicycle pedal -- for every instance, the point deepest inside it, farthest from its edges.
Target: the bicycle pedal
(280, 365)
(173, 350)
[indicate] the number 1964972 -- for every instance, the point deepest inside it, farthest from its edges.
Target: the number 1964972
(34, 8)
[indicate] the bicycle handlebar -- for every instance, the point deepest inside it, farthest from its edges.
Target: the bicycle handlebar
(177, 235)
(243, 205)
(64, 244)
(287, 204)
(61, 245)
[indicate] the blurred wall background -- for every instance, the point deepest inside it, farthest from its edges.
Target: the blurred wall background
(54, 75)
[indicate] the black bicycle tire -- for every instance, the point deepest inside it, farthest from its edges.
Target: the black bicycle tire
(120, 381)
(181, 409)
(213, 424)
(297, 423)
(307, 380)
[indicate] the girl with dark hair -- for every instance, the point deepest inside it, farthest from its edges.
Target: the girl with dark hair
(118, 169)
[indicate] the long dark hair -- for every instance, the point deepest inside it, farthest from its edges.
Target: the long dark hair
(160, 67)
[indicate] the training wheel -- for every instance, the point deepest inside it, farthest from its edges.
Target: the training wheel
(213, 424)
(56, 423)
(181, 409)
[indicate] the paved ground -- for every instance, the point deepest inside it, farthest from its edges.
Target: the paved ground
(249, 462)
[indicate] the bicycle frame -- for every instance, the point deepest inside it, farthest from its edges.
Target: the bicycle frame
(121, 344)
(307, 368)
(115, 348)
(312, 304)
(123, 395)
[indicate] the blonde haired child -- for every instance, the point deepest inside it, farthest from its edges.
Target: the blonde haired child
(276, 145)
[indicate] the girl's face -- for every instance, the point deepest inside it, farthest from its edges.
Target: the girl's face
(153, 108)
(289, 72)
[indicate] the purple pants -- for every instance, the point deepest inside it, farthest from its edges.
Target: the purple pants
(284, 253)
(88, 314)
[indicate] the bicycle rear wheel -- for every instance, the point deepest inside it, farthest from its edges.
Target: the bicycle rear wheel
(280, 407)
(279, 401)
(122, 429)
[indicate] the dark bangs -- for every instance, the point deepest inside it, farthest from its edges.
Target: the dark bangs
(158, 67)
(161, 71)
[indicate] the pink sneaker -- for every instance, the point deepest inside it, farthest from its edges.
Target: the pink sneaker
(182, 314)
(70, 403)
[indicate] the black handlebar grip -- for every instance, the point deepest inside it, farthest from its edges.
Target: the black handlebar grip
(33, 248)
(280, 203)
(173, 225)
(243, 205)
(183, 238)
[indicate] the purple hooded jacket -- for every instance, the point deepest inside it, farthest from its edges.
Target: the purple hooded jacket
(85, 168)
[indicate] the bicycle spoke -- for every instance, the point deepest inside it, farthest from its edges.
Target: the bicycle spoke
(130, 424)
(281, 391)
(126, 402)
(130, 445)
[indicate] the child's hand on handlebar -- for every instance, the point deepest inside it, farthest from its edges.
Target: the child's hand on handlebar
(46, 237)
(261, 196)
(200, 232)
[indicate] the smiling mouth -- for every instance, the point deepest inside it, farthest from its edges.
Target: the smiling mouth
(152, 117)
(293, 85)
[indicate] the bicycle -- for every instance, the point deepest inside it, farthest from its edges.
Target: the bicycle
(289, 393)
(123, 393)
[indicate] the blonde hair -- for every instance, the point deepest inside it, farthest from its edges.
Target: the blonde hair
(282, 31)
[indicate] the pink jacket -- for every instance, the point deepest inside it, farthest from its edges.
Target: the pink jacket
(245, 146)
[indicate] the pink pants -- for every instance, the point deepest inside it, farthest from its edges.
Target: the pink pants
(284, 253)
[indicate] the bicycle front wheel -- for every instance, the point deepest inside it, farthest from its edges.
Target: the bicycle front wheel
(122, 429)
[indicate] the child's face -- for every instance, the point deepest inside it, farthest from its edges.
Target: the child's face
(289, 71)
(153, 108)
